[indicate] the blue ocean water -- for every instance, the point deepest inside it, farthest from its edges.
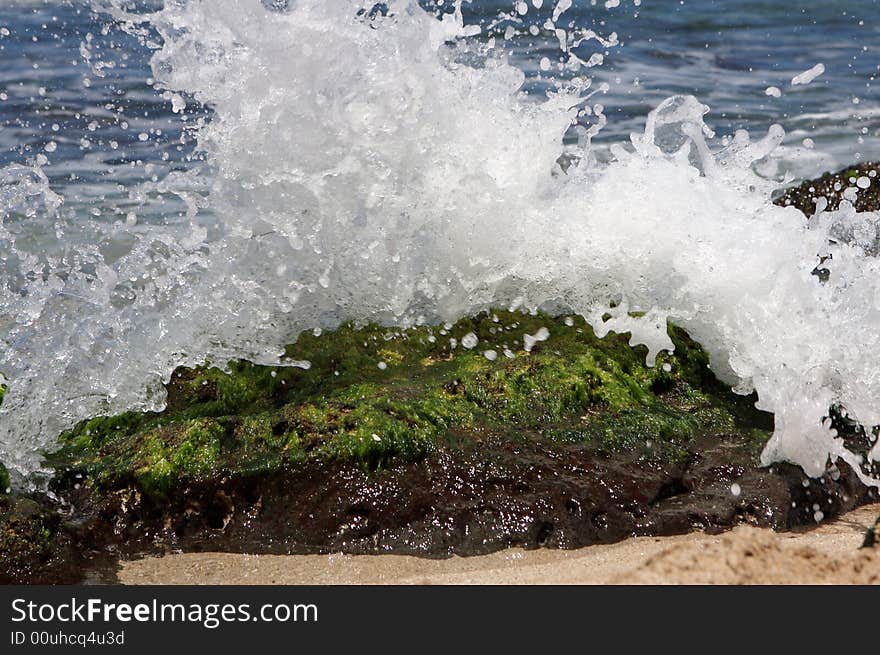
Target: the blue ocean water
(108, 131)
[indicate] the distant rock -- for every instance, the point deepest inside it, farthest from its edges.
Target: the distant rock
(859, 184)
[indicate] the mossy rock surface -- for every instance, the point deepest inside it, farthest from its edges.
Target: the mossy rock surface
(379, 398)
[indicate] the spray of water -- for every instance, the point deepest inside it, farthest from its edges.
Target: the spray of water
(376, 163)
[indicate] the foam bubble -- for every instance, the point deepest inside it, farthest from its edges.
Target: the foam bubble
(808, 75)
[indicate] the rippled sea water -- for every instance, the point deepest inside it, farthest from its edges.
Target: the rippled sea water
(725, 55)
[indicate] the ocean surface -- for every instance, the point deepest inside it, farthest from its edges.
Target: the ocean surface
(726, 54)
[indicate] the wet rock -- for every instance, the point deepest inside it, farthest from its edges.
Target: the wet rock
(859, 184)
(32, 549)
(527, 493)
(575, 442)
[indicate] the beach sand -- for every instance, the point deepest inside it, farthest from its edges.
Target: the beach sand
(826, 554)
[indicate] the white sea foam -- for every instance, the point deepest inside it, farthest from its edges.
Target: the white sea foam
(370, 167)
(808, 75)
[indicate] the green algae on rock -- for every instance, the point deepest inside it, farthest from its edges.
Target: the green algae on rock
(380, 397)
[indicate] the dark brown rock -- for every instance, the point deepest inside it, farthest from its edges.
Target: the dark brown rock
(832, 187)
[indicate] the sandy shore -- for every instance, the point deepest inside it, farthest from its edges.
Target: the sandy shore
(826, 554)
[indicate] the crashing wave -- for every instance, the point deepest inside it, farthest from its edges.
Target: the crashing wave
(386, 166)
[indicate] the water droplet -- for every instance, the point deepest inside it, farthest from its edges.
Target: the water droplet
(469, 340)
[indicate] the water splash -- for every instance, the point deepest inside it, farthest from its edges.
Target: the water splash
(370, 162)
